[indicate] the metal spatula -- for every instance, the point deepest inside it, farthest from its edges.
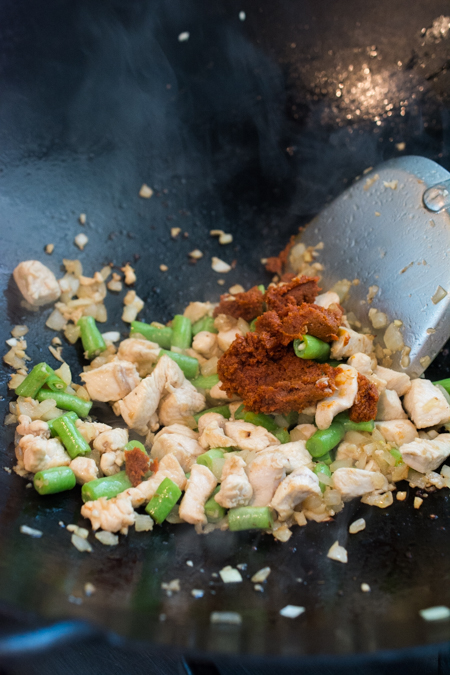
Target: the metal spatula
(391, 229)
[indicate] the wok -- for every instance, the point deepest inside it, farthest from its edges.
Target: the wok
(250, 127)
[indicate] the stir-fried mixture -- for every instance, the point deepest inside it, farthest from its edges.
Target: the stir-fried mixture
(263, 411)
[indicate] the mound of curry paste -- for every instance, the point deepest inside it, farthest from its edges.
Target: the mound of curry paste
(262, 368)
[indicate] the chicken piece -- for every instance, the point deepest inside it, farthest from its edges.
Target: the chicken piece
(36, 282)
(181, 404)
(235, 489)
(90, 430)
(302, 432)
(85, 469)
(112, 462)
(112, 515)
(205, 343)
(424, 455)
(349, 343)
(426, 404)
(211, 427)
(399, 382)
(198, 490)
(294, 490)
(36, 453)
(111, 441)
(390, 406)
(36, 428)
(219, 395)
(226, 337)
(197, 310)
(265, 474)
(294, 455)
(353, 483)
(363, 364)
(249, 437)
(185, 449)
(327, 299)
(348, 450)
(177, 429)
(112, 381)
(138, 408)
(169, 467)
(342, 399)
(143, 353)
(397, 431)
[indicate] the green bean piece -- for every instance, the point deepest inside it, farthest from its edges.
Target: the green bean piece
(322, 469)
(71, 415)
(162, 336)
(35, 380)
(333, 363)
(70, 437)
(252, 327)
(55, 383)
(262, 288)
(207, 458)
(250, 518)
(205, 381)
(327, 459)
(92, 339)
(239, 412)
(324, 440)
(56, 479)
(223, 410)
(397, 455)
(213, 511)
(310, 347)
(188, 364)
(282, 435)
(163, 501)
(206, 323)
(108, 487)
(261, 420)
(181, 332)
(443, 383)
(344, 419)
(131, 445)
(66, 401)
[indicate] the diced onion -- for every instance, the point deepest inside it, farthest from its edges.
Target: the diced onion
(217, 467)
(393, 338)
(341, 464)
(439, 295)
(107, 538)
(338, 553)
(261, 575)
(81, 544)
(226, 617)
(37, 534)
(230, 575)
(292, 611)
(438, 613)
(19, 331)
(143, 523)
(357, 526)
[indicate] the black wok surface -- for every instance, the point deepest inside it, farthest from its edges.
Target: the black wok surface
(240, 129)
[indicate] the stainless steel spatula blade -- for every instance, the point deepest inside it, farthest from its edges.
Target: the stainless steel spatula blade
(381, 232)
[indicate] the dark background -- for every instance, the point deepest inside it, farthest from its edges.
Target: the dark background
(250, 127)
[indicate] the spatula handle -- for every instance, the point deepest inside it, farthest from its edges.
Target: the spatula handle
(437, 197)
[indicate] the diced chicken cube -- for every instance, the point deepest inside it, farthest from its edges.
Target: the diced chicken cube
(184, 448)
(342, 399)
(226, 337)
(197, 310)
(397, 431)
(294, 455)
(139, 407)
(205, 343)
(364, 365)
(423, 455)
(111, 441)
(426, 404)
(90, 430)
(37, 454)
(111, 515)
(36, 282)
(399, 382)
(36, 428)
(293, 490)
(112, 462)
(265, 473)
(327, 299)
(350, 342)
(169, 467)
(348, 450)
(180, 404)
(219, 395)
(353, 483)
(390, 406)
(211, 427)
(198, 490)
(177, 429)
(85, 469)
(143, 353)
(112, 381)
(249, 437)
(302, 432)
(235, 489)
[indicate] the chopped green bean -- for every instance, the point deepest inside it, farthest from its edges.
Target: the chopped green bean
(443, 383)
(66, 401)
(35, 380)
(252, 327)
(205, 381)
(206, 459)
(181, 332)
(327, 459)
(239, 412)
(131, 445)
(310, 347)
(291, 418)
(70, 437)
(213, 511)
(322, 469)
(333, 363)
(188, 364)
(262, 288)
(282, 435)
(56, 479)
(324, 440)
(55, 383)
(206, 323)
(162, 336)
(397, 455)
(92, 339)
(250, 518)
(223, 410)
(344, 419)
(71, 415)
(163, 501)
(258, 419)
(108, 487)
